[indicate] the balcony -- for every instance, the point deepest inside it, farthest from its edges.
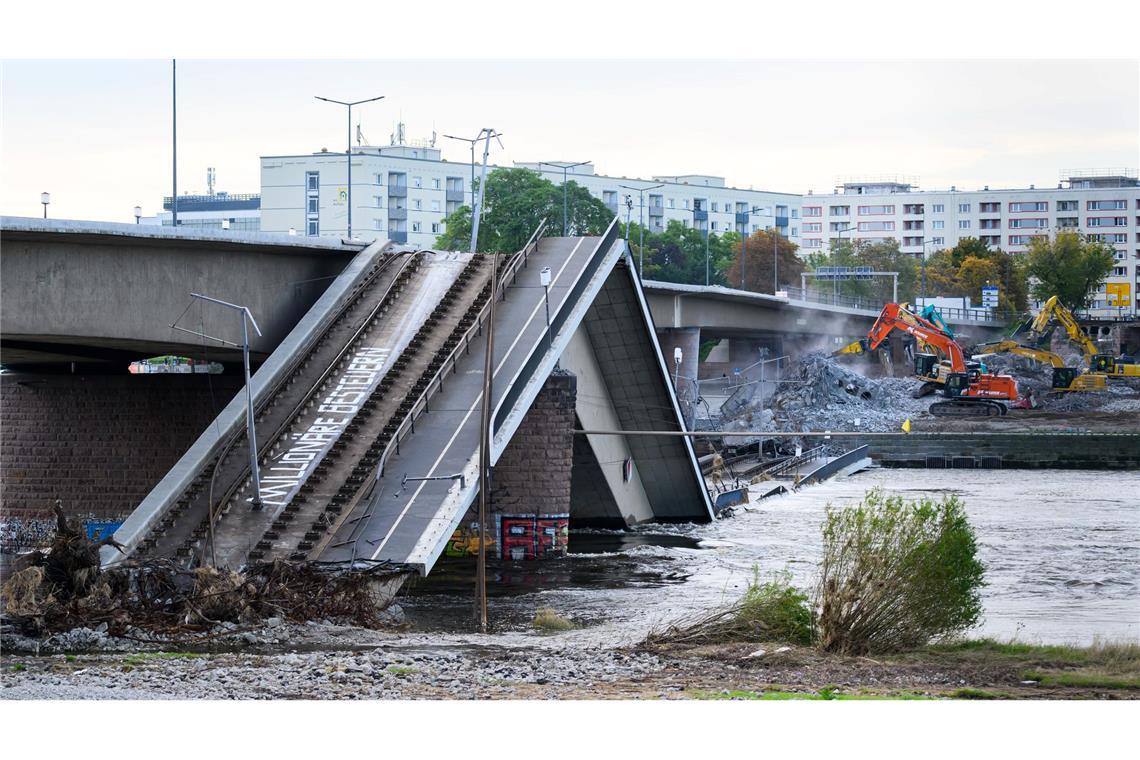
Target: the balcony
(782, 221)
(742, 217)
(397, 191)
(656, 211)
(700, 215)
(611, 205)
(398, 237)
(455, 195)
(396, 214)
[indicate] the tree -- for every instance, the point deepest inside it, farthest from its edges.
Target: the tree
(882, 256)
(1069, 267)
(758, 266)
(515, 202)
(976, 265)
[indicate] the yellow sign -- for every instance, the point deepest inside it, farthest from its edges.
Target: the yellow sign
(1119, 294)
(906, 425)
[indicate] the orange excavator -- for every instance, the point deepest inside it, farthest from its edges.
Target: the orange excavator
(969, 391)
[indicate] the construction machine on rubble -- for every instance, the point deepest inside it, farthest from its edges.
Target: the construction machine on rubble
(1064, 378)
(1100, 366)
(969, 391)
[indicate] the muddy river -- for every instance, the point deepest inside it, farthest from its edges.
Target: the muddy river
(1061, 551)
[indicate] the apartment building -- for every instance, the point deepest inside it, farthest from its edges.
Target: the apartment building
(404, 191)
(1104, 204)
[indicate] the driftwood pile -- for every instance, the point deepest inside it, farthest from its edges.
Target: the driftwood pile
(65, 588)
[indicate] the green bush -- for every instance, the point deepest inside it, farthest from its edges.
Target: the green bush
(767, 611)
(896, 574)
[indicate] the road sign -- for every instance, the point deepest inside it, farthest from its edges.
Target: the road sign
(990, 296)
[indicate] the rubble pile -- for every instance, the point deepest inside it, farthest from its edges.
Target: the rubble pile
(823, 395)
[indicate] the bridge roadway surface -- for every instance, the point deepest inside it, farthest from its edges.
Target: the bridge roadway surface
(411, 523)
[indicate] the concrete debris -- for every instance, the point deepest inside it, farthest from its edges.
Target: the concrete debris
(821, 394)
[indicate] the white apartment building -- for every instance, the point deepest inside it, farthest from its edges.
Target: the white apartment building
(1104, 204)
(403, 192)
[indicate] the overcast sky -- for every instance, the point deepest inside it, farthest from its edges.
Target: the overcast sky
(96, 134)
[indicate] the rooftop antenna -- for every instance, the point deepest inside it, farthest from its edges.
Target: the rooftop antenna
(210, 177)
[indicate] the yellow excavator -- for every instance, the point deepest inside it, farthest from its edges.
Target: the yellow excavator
(1106, 365)
(1064, 378)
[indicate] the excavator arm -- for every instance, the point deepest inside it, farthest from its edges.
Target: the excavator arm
(1053, 309)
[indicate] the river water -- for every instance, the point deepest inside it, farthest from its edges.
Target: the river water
(1061, 551)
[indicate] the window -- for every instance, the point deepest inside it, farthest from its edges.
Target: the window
(795, 232)
(455, 184)
(876, 226)
(1068, 221)
(451, 207)
(1107, 221)
(1110, 237)
(963, 224)
(436, 228)
(686, 203)
(938, 241)
(435, 183)
(963, 208)
(714, 226)
(837, 211)
(990, 208)
(795, 213)
(912, 224)
(417, 181)
(396, 179)
(1107, 205)
(1020, 239)
(417, 204)
(993, 224)
(912, 241)
(715, 208)
(913, 208)
(435, 206)
(938, 224)
(416, 226)
(938, 208)
(377, 225)
(840, 226)
(609, 197)
(378, 179)
(312, 203)
(812, 243)
(378, 201)
(1067, 205)
(1120, 271)
(1032, 223)
(876, 210)
(813, 227)
(813, 211)
(1024, 206)
(671, 203)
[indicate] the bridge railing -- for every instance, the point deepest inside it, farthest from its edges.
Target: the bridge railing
(989, 316)
(557, 320)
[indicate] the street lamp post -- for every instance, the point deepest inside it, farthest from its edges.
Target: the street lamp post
(348, 148)
(565, 170)
(473, 141)
(695, 210)
(138, 214)
(45, 198)
(641, 225)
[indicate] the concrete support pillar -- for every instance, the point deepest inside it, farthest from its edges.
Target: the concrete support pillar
(530, 486)
(688, 339)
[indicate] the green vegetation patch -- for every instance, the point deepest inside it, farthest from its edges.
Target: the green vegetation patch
(785, 696)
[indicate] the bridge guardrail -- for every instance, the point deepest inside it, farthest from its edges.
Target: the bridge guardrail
(556, 322)
(951, 313)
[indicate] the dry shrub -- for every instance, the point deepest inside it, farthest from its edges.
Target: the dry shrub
(896, 574)
(547, 619)
(767, 611)
(23, 591)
